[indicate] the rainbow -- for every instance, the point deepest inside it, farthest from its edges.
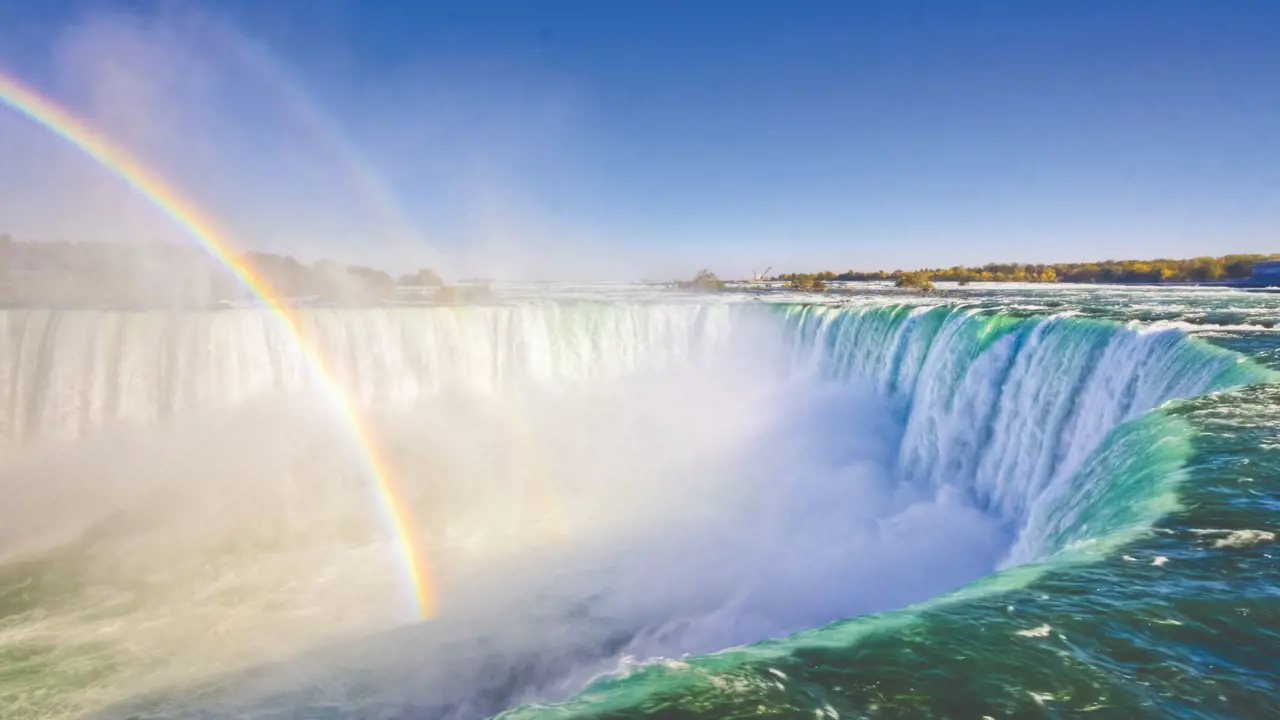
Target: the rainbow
(150, 185)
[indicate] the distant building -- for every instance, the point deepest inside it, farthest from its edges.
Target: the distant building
(1266, 273)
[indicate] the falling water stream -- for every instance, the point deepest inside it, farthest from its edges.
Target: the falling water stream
(1009, 501)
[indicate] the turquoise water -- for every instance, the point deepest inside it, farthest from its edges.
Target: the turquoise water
(1125, 444)
(1153, 590)
(1179, 622)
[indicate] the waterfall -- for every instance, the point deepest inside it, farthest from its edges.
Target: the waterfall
(1009, 406)
(69, 372)
(590, 480)
(1005, 406)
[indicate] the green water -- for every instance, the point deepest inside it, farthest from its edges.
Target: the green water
(1142, 583)
(1182, 622)
(1180, 618)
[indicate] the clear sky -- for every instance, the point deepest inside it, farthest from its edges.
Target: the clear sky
(648, 139)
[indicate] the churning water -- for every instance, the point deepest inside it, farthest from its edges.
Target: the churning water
(641, 505)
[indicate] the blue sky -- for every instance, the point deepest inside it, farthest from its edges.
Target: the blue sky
(646, 139)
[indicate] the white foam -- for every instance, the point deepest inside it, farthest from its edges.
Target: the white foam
(1244, 538)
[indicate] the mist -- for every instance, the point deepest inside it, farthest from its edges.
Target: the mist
(684, 497)
(593, 485)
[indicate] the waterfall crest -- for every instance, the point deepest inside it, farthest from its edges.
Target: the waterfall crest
(1006, 407)
(592, 482)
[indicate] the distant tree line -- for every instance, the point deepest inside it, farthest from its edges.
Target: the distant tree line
(704, 281)
(1198, 269)
(915, 281)
(805, 282)
(169, 275)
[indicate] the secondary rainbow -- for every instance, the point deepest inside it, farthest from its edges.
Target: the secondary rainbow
(291, 97)
(150, 185)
